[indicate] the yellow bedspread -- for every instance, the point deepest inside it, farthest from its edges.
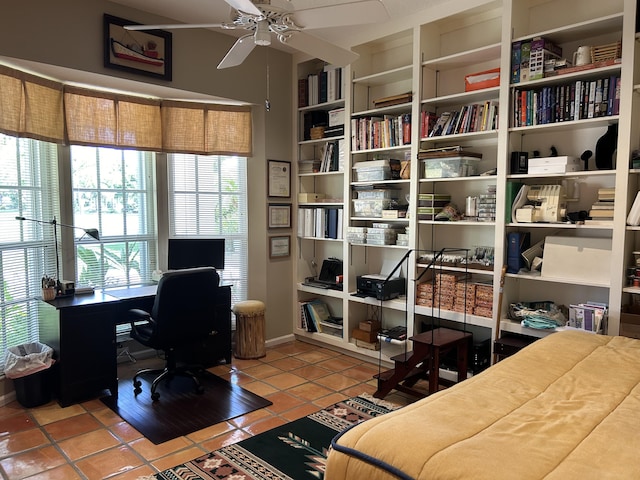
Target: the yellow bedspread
(565, 407)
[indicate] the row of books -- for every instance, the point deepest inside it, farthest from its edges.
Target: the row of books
(330, 159)
(322, 87)
(320, 222)
(560, 103)
(475, 117)
(601, 211)
(380, 131)
(316, 317)
(590, 316)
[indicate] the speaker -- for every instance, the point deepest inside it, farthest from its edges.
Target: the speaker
(519, 162)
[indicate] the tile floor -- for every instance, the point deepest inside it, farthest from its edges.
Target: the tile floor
(89, 441)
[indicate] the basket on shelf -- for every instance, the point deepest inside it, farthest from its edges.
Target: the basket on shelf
(48, 293)
(317, 133)
(606, 52)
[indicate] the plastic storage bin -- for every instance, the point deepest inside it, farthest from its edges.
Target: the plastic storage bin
(370, 207)
(371, 174)
(450, 167)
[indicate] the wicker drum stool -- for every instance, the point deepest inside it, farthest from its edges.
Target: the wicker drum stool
(249, 329)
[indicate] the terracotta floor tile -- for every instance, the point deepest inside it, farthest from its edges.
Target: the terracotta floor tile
(315, 356)
(309, 391)
(134, 474)
(282, 401)
(150, 451)
(52, 412)
(292, 348)
(359, 389)
(210, 432)
(70, 427)
(21, 441)
(64, 472)
(363, 372)
(242, 364)
(32, 462)
(283, 381)
(16, 423)
(330, 399)
(289, 363)
(110, 462)
(272, 355)
(337, 381)
(125, 432)
(311, 372)
(250, 418)
(230, 438)
(264, 425)
(106, 416)
(10, 409)
(92, 405)
(260, 388)
(238, 378)
(178, 457)
(338, 364)
(299, 412)
(88, 443)
(262, 371)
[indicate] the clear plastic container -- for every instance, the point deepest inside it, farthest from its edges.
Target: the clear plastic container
(370, 208)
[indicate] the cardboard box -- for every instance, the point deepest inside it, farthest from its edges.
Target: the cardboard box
(310, 197)
(365, 336)
(336, 117)
(480, 80)
(370, 325)
(630, 321)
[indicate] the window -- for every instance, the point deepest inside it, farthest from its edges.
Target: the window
(113, 191)
(208, 198)
(28, 188)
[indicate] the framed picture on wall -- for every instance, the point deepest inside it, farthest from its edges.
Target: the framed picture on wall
(145, 52)
(279, 215)
(279, 178)
(280, 247)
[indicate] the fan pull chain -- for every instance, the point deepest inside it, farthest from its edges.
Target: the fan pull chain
(267, 103)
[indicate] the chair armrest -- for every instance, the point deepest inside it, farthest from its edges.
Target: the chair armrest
(137, 315)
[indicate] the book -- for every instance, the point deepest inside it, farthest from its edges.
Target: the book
(393, 100)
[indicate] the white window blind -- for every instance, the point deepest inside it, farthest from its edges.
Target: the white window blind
(28, 188)
(113, 191)
(208, 198)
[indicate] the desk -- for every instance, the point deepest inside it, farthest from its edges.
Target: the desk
(82, 331)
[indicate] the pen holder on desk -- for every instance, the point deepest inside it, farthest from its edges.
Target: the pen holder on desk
(48, 293)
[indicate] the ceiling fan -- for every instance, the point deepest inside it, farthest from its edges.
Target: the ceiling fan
(265, 17)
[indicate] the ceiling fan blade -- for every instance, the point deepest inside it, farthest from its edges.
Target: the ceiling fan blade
(170, 26)
(245, 6)
(316, 47)
(350, 13)
(237, 54)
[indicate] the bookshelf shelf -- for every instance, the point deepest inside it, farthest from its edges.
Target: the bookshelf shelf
(465, 58)
(388, 76)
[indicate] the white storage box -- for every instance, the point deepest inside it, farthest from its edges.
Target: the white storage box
(450, 167)
(583, 259)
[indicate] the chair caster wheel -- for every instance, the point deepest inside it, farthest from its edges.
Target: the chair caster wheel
(155, 396)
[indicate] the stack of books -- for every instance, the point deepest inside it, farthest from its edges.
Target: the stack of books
(601, 212)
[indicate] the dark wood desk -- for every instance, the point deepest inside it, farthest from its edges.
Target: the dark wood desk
(82, 331)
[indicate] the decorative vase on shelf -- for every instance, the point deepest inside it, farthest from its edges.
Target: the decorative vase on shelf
(606, 147)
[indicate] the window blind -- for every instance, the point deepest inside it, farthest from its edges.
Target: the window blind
(208, 198)
(28, 188)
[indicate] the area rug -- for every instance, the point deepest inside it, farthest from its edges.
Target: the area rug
(294, 451)
(180, 410)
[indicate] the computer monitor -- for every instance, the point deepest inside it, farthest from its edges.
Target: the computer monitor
(196, 252)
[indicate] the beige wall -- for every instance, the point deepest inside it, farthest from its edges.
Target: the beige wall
(68, 33)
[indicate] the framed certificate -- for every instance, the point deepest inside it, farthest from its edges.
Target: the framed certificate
(280, 247)
(279, 178)
(279, 215)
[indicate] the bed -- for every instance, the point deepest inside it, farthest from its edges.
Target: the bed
(567, 406)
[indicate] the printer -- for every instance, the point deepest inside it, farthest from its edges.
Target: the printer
(375, 286)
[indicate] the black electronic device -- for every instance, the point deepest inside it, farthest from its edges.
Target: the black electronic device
(519, 162)
(377, 286)
(196, 252)
(330, 275)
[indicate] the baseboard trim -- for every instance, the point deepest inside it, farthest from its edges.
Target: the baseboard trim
(280, 340)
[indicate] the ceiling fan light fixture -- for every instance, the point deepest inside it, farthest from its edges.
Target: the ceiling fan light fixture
(262, 36)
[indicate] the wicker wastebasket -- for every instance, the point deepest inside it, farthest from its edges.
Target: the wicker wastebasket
(250, 325)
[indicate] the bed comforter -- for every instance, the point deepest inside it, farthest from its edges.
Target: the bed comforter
(565, 407)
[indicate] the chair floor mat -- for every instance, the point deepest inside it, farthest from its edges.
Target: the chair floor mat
(180, 410)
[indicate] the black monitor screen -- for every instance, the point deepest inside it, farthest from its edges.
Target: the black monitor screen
(196, 252)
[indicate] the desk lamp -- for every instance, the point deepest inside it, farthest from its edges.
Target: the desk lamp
(92, 232)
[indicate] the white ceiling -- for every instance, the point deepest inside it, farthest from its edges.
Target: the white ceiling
(216, 11)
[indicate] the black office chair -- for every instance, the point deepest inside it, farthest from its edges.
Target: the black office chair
(183, 313)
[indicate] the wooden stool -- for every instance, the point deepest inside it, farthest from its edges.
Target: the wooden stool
(249, 329)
